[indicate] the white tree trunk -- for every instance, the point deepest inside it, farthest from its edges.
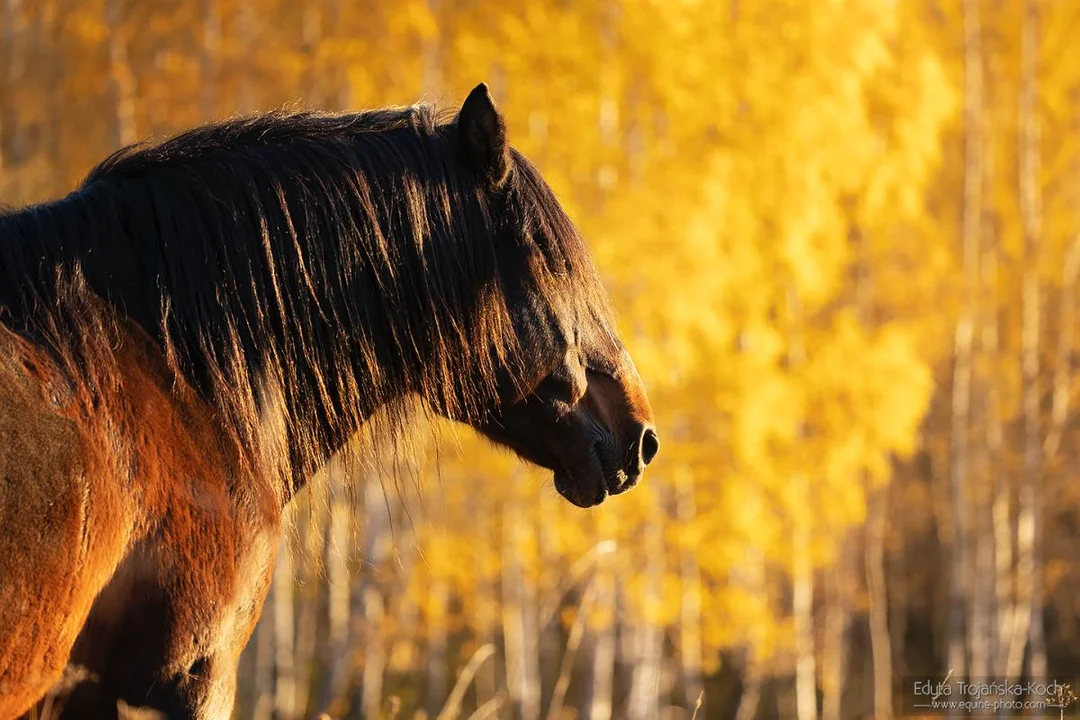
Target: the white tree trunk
(690, 642)
(121, 77)
(645, 679)
(878, 603)
(802, 610)
(971, 231)
(209, 48)
(1028, 624)
(519, 619)
(284, 636)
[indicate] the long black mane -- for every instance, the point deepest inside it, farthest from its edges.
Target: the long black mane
(319, 265)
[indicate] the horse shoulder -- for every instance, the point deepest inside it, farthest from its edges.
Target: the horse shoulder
(64, 522)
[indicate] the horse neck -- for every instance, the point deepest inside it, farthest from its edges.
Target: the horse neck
(43, 246)
(304, 382)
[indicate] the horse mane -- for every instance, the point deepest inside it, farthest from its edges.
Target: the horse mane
(300, 270)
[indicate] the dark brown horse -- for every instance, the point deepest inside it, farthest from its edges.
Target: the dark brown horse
(192, 333)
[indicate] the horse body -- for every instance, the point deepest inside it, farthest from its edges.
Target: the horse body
(147, 547)
(186, 338)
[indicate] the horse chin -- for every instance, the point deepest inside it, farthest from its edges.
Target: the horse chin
(588, 476)
(582, 493)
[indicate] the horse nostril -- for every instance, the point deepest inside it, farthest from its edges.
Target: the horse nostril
(649, 445)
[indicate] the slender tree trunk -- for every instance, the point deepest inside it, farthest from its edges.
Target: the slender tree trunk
(991, 544)
(551, 652)
(519, 619)
(10, 34)
(802, 610)
(601, 692)
(1063, 362)
(486, 621)
(1029, 524)
(263, 684)
(645, 681)
(208, 59)
(573, 643)
(310, 631)
(432, 81)
(962, 562)
(52, 46)
(1059, 411)
(246, 96)
(1004, 607)
(339, 89)
(834, 646)
(898, 601)
(690, 642)
(439, 597)
(336, 656)
(753, 576)
(802, 569)
(602, 686)
(311, 37)
(285, 707)
(878, 603)
(368, 608)
(982, 571)
(121, 77)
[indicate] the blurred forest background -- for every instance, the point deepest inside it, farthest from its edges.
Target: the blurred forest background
(843, 239)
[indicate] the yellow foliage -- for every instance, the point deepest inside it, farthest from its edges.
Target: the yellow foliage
(757, 183)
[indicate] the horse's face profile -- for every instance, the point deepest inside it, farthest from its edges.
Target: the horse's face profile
(576, 405)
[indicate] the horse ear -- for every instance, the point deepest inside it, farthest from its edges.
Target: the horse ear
(482, 133)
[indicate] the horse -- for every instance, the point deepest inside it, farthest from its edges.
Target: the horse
(188, 336)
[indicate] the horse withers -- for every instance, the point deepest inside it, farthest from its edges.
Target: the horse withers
(187, 337)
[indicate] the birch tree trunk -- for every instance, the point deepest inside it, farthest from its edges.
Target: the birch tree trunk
(1001, 489)
(121, 77)
(311, 32)
(246, 30)
(753, 576)
(51, 42)
(285, 707)
(336, 656)
(9, 31)
(519, 619)
(263, 685)
(367, 606)
(834, 646)
(645, 680)
(959, 495)
(550, 644)
(1029, 623)
(486, 622)
(989, 491)
(209, 48)
(1059, 411)
(602, 685)
(690, 642)
(600, 702)
(802, 570)
(439, 596)
(310, 630)
(802, 610)
(878, 603)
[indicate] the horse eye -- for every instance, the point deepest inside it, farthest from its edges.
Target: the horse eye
(560, 388)
(554, 387)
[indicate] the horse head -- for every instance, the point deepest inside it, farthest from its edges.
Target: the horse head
(570, 399)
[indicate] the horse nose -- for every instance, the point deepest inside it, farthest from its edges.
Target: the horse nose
(649, 445)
